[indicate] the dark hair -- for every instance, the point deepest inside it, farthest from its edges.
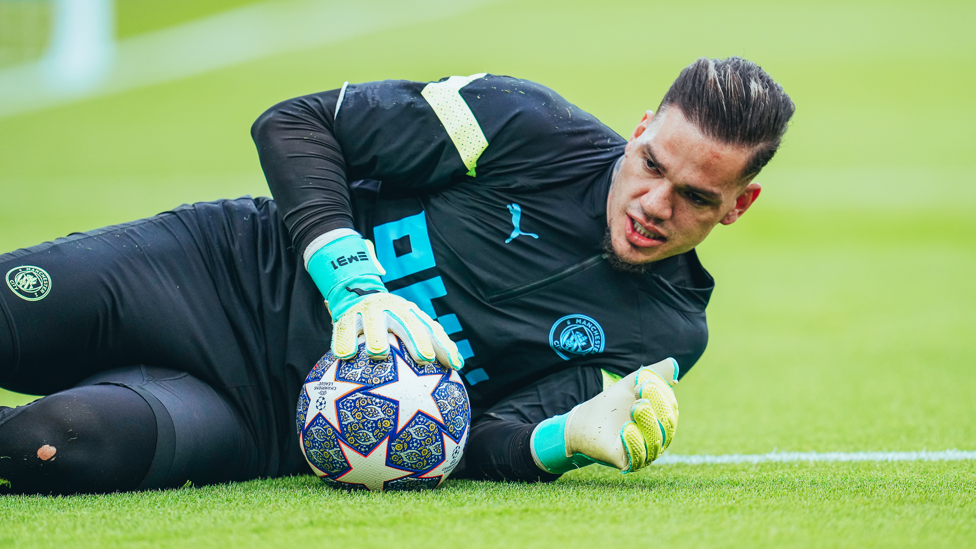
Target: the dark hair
(736, 102)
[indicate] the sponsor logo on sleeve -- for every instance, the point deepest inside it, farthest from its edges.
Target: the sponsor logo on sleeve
(576, 335)
(29, 282)
(342, 261)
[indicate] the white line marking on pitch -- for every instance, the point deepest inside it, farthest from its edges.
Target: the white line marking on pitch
(783, 457)
(226, 39)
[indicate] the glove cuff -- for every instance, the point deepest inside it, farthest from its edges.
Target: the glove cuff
(345, 272)
(548, 446)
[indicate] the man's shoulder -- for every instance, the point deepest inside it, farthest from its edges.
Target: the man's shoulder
(510, 91)
(528, 101)
(533, 131)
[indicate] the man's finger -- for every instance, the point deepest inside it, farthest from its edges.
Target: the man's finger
(668, 370)
(414, 334)
(658, 393)
(661, 397)
(634, 445)
(375, 330)
(448, 357)
(654, 433)
(445, 350)
(344, 339)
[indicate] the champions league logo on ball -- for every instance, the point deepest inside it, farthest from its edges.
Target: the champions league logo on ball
(576, 335)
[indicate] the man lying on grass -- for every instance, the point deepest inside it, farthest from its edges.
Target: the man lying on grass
(523, 242)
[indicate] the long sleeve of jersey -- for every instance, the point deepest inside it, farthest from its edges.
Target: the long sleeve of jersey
(304, 165)
(415, 136)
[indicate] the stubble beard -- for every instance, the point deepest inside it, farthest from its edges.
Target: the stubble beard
(618, 263)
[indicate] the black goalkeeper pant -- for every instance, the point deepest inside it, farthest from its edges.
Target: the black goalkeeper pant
(173, 349)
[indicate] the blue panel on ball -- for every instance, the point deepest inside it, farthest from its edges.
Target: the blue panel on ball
(302, 410)
(425, 369)
(412, 483)
(452, 401)
(320, 367)
(365, 420)
(418, 447)
(366, 371)
(322, 447)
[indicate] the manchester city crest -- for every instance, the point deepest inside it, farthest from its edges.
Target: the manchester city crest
(576, 335)
(28, 282)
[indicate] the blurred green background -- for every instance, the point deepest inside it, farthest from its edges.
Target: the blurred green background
(844, 313)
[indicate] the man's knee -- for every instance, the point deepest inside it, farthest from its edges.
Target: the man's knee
(100, 438)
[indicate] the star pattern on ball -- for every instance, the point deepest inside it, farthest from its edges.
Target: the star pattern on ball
(410, 383)
(332, 390)
(372, 474)
(452, 454)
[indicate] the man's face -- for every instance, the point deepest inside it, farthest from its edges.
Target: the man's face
(672, 186)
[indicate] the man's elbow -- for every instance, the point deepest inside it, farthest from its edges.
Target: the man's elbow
(299, 114)
(267, 125)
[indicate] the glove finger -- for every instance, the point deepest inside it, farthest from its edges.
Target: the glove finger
(665, 406)
(660, 395)
(445, 350)
(415, 334)
(647, 378)
(633, 441)
(375, 330)
(653, 430)
(345, 335)
(667, 369)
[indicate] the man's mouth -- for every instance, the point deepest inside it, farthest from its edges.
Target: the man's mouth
(643, 233)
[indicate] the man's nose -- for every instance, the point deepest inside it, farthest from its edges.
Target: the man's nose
(657, 201)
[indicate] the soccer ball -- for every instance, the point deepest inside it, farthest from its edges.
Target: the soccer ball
(390, 425)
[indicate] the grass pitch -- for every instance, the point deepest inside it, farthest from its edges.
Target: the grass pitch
(842, 318)
(867, 505)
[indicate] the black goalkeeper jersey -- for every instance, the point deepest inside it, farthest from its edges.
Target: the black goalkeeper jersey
(486, 199)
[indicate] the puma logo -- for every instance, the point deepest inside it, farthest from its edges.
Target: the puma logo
(516, 212)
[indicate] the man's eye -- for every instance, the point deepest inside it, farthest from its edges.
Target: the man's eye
(697, 199)
(649, 164)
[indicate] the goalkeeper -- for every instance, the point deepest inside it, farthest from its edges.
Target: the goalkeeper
(485, 220)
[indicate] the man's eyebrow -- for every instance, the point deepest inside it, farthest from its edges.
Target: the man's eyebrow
(708, 195)
(650, 154)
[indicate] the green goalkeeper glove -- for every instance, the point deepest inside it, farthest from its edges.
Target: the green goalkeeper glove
(347, 273)
(626, 426)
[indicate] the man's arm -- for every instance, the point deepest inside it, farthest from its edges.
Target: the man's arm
(418, 136)
(311, 147)
(627, 426)
(572, 419)
(415, 137)
(304, 166)
(307, 171)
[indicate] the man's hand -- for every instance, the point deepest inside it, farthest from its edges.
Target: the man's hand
(626, 426)
(376, 314)
(347, 273)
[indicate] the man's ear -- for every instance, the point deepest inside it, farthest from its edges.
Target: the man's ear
(745, 199)
(642, 125)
